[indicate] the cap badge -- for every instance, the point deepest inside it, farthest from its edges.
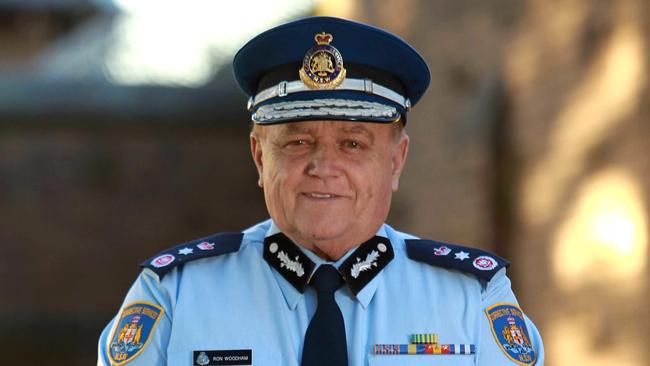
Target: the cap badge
(322, 66)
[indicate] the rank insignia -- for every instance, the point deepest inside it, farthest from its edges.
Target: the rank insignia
(286, 258)
(441, 251)
(366, 262)
(510, 331)
(322, 66)
(133, 330)
(211, 246)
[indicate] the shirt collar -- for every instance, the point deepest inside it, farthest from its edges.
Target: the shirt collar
(291, 291)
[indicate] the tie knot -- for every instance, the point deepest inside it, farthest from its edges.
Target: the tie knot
(326, 279)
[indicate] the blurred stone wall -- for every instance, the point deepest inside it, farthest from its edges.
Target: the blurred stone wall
(536, 122)
(577, 76)
(82, 206)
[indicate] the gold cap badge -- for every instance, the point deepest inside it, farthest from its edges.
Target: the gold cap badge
(322, 66)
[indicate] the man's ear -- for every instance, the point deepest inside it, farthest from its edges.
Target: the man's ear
(400, 152)
(256, 151)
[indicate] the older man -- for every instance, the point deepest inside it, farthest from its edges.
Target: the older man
(325, 281)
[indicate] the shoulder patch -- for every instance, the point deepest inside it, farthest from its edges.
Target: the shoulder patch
(133, 331)
(478, 262)
(209, 246)
(511, 333)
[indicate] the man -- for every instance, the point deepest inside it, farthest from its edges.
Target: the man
(325, 281)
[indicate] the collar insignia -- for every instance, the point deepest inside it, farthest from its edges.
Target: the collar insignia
(357, 270)
(283, 255)
(366, 262)
(322, 66)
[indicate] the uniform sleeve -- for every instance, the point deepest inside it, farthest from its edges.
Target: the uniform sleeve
(139, 333)
(506, 335)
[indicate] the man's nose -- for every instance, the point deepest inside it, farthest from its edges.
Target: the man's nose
(325, 161)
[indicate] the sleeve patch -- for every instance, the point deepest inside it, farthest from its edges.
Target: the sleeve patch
(478, 262)
(210, 246)
(511, 333)
(133, 331)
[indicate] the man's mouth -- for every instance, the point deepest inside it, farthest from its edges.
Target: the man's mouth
(321, 196)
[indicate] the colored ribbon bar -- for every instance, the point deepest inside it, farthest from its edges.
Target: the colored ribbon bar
(424, 349)
(425, 338)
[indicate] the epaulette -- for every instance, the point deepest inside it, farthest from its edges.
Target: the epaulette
(210, 246)
(478, 262)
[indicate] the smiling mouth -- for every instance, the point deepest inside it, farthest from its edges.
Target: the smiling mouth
(321, 196)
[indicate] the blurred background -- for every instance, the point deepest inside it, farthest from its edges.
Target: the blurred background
(122, 133)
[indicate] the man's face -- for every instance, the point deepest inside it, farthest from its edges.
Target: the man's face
(328, 184)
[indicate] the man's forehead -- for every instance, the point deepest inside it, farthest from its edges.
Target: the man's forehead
(313, 127)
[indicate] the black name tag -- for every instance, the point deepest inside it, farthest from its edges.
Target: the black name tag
(226, 357)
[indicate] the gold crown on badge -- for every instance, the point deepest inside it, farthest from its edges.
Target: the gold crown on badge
(322, 66)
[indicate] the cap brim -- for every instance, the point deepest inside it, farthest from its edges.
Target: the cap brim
(325, 109)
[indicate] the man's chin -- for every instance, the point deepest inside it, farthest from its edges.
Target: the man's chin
(323, 230)
(322, 235)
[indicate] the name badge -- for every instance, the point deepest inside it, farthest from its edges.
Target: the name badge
(225, 357)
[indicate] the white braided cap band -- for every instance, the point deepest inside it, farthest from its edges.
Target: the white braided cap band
(328, 109)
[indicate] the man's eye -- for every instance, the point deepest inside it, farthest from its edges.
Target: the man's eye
(351, 144)
(298, 142)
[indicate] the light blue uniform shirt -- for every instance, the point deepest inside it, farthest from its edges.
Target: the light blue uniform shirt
(237, 301)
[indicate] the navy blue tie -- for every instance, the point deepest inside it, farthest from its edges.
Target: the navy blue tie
(325, 343)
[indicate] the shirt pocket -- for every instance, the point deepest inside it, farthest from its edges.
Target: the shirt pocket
(418, 360)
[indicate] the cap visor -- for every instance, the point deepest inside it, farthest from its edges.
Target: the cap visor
(325, 109)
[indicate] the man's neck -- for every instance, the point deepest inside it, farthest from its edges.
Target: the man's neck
(332, 249)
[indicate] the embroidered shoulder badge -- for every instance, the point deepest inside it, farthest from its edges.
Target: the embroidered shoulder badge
(511, 333)
(133, 331)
